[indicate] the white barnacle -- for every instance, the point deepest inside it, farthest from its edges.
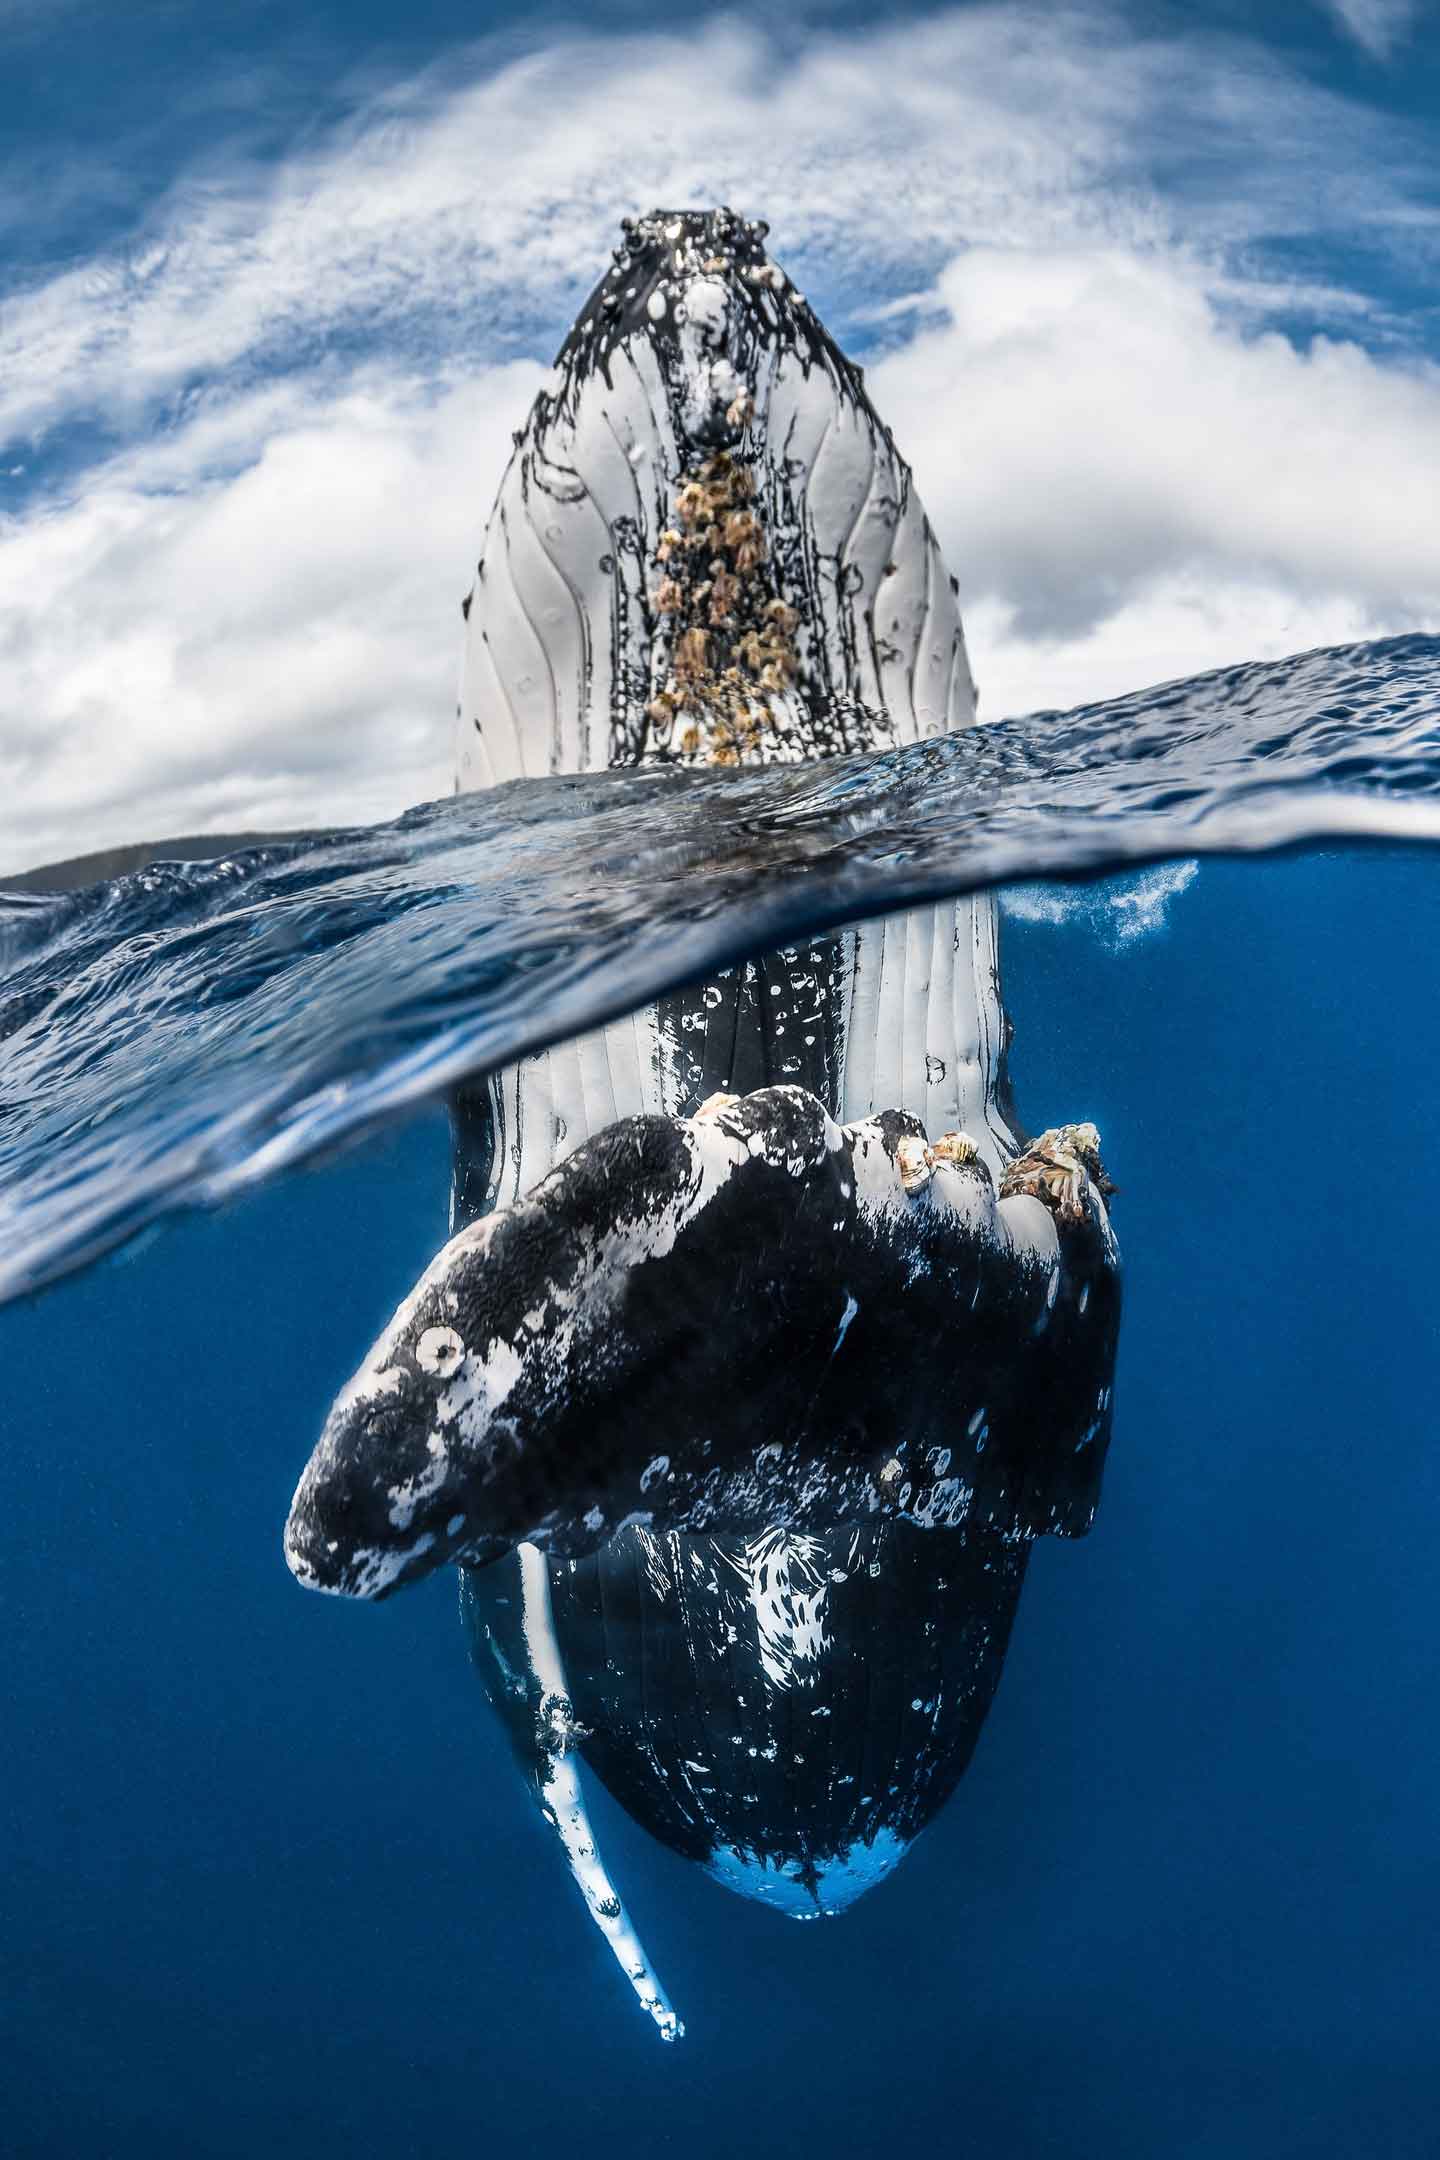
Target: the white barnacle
(916, 1163)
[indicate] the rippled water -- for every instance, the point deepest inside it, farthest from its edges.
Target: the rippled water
(272, 1881)
(173, 1036)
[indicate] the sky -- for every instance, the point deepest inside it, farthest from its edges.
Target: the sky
(1150, 296)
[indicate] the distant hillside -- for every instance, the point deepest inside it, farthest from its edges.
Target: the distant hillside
(115, 862)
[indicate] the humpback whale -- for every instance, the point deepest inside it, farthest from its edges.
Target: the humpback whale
(763, 1345)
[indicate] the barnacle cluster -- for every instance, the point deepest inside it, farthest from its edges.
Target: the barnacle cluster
(917, 1158)
(731, 636)
(1058, 1168)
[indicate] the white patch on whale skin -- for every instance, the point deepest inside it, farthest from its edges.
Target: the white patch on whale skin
(439, 1349)
(407, 1495)
(372, 1568)
(716, 1149)
(879, 1192)
(788, 1579)
(1029, 1230)
(968, 1197)
(480, 1388)
(379, 1376)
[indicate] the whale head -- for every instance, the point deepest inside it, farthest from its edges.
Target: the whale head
(707, 548)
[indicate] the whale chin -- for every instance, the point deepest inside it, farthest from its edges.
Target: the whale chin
(821, 1887)
(788, 1711)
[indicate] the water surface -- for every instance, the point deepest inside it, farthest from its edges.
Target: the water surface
(271, 1883)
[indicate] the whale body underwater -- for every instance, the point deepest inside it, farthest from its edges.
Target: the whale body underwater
(764, 1345)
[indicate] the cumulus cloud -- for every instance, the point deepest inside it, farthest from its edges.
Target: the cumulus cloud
(189, 649)
(1133, 483)
(242, 610)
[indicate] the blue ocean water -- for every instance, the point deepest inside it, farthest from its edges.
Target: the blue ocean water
(271, 1883)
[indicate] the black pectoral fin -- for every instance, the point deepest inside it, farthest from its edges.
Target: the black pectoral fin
(747, 1318)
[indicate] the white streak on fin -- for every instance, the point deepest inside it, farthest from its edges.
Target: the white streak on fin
(564, 1801)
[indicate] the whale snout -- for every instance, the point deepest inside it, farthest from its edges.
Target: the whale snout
(371, 1511)
(697, 288)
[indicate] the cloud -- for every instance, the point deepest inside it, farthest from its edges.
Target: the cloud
(474, 204)
(1132, 484)
(1376, 25)
(242, 607)
(274, 646)
(1119, 911)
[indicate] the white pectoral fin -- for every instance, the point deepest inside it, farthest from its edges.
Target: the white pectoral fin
(562, 1798)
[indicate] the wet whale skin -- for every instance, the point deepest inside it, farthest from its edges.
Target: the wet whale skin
(744, 1521)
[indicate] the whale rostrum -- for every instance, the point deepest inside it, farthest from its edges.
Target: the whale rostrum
(762, 1348)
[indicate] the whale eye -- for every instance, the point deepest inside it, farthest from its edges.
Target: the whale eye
(439, 1350)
